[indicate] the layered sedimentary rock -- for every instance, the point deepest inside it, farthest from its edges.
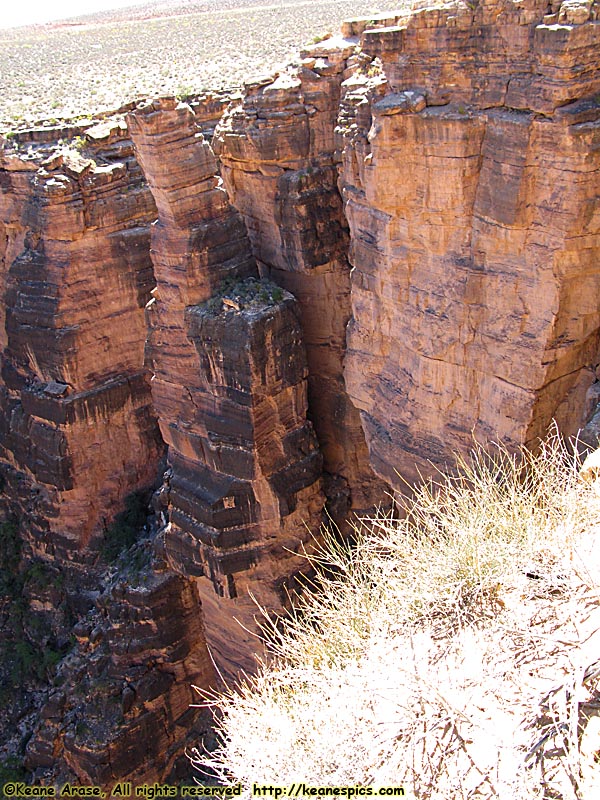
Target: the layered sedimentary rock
(276, 148)
(209, 107)
(466, 144)
(78, 435)
(229, 386)
(470, 178)
(76, 419)
(122, 703)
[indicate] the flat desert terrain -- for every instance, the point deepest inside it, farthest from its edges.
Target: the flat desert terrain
(98, 63)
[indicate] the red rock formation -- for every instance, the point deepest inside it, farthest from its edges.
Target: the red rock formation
(122, 706)
(79, 434)
(75, 403)
(470, 174)
(276, 148)
(230, 389)
(466, 139)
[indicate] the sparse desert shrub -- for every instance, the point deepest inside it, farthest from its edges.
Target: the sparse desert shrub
(10, 556)
(78, 143)
(125, 529)
(453, 649)
(216, 50)
(39, 576)
(246, 293)
(11, 769)
(321, 38)
(184, 93)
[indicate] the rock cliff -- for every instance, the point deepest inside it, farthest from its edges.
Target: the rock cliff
(229, 387)
(469, 173)
(121, 702)
(393, 247)
(277, 153)
(76, 414)
(79, 437)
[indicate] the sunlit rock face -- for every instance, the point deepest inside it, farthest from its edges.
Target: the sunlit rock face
(277, 154)
(395, 249)
(76, 413)
(229, 387)
(78, 435)
(470, 178)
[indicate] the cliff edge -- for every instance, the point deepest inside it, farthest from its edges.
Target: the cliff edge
(383, 251)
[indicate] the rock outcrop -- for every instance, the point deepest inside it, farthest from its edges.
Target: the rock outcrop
(229, 387)
(398, 243)
(122, 706)
(76, 418)
(276, 148)
(470, 179)
(79, 435)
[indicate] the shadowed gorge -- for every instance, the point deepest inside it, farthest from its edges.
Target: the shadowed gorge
(226, 321)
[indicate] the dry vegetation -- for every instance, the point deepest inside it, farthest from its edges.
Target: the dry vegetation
(455, 652)
(52, 72)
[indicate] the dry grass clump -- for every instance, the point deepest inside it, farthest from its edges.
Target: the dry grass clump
(455, 651)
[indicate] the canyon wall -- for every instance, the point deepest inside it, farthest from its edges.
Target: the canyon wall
(469, 172)
(229, 386)
(277, 153)
(76, 415)
(394, 247)
(121, 704)
(79, 439)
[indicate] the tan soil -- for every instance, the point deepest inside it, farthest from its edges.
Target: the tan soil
(102, 61)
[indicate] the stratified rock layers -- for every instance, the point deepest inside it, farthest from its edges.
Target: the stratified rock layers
(425, 191)
(276, 148)
(474, 231)
(230, 389)
(76, 418)
(122, 706)
(78, 435)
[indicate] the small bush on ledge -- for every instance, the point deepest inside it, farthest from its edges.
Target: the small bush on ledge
(246, 294)
(126, 527)
(454, 651)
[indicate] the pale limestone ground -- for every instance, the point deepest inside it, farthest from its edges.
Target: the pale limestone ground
(55, 72)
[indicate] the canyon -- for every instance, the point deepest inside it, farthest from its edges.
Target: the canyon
(226, 323)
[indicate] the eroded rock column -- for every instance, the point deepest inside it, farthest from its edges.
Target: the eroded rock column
(277, 152)
(78, 434)
(230, 389)
(78, 429)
